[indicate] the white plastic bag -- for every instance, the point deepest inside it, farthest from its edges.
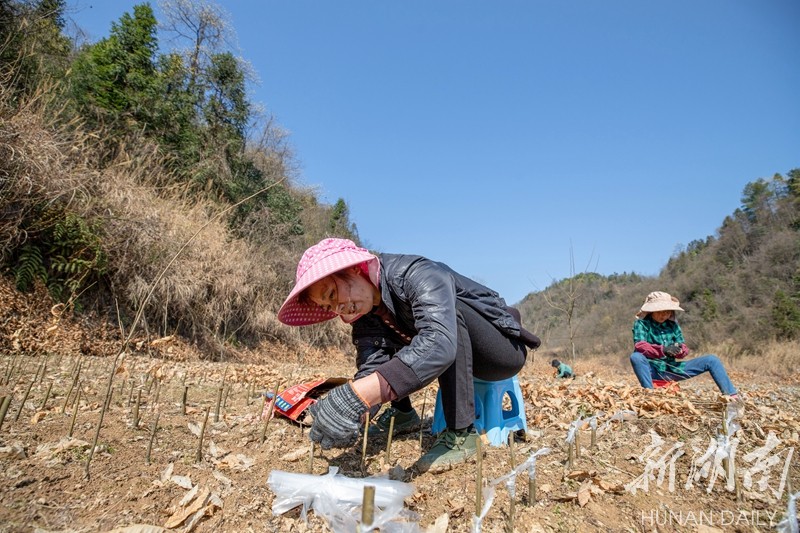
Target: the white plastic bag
(338, 499)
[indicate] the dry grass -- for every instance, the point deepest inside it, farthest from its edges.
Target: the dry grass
(41, 164)
(776, 359)
(221, 289)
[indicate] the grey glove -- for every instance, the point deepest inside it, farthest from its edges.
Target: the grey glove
(672, 350)
(337, 418)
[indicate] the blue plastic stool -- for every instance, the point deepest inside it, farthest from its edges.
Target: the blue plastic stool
(490, 417)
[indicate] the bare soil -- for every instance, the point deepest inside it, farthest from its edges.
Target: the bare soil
(221, 485)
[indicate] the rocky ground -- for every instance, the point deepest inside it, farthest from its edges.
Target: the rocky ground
(205, 464)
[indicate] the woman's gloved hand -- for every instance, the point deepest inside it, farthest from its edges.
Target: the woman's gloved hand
(672, 350)
(337, 418)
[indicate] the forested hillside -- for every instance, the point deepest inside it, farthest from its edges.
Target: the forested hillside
(136, 175)
(127, 167)
(740, 287)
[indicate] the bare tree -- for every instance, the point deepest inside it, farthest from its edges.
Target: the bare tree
(204, 25)
(202, 35)
(564, 296)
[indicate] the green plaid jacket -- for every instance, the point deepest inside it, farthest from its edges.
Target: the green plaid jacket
(668, 332)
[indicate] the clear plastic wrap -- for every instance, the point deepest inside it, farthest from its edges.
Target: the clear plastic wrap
(790, 524)
(338, 499)
(488, 492)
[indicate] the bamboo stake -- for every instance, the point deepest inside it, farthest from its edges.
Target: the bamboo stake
(364, 445)
(18, 377)
(577, 445)
(102, 416)
(570, 451)
(199, 455)
(44, 369)
(38, 371)
(24, 399)
(136, 408)
(264, 427)
(532, 489)
(593, 443)
(46, 396)
(225, 397)
(10, 370)
(75, 412)
(14, 365)
(368, 508)
(158, 393)
(152, 438)
(71, 386)
(220, 394)
(184, 398)
(269, 414)
(389, 441)
(75, 366)
(4, 408)
(311, 459)
(219, 403)
(107, 405)
(130, 394)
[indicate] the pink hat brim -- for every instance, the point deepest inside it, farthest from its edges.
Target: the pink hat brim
(296, 313)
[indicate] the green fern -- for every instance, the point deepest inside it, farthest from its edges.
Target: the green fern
(75, 254)
(29, 267)
(64, 252)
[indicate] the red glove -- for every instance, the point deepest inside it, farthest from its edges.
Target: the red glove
(651, 351)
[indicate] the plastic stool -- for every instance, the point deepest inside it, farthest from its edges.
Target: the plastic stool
(490, 417)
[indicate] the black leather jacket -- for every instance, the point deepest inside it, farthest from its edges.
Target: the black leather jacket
(421, 294)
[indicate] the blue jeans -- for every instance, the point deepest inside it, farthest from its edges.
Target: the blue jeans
(646, 373)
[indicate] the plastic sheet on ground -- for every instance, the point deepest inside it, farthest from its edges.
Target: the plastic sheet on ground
(338, 498)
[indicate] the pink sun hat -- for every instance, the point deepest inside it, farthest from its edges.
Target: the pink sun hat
(321, 260)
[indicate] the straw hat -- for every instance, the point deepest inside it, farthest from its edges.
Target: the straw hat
(658, 301)
(321, 260)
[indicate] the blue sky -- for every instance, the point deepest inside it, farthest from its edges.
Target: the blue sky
(503, 137)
